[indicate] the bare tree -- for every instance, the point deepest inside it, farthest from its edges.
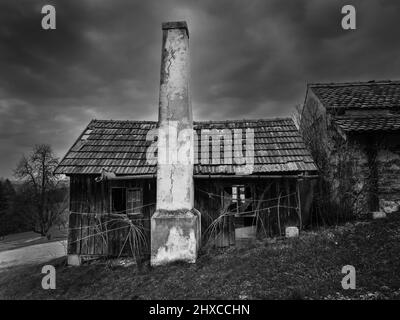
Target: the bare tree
(41, 187)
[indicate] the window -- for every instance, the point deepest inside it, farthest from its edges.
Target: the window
(134, 201)
(118, 200)
(240, 192)
(238, 198)
(127, 201)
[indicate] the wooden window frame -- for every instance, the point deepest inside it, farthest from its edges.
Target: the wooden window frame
(127, 189)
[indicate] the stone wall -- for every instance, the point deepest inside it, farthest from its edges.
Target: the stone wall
(389, 173)
(387, 161)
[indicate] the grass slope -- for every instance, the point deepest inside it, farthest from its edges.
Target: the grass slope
(308, 267)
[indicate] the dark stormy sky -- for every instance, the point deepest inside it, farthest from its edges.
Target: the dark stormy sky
(250, 59)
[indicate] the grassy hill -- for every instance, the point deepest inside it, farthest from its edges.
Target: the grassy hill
(308, 267)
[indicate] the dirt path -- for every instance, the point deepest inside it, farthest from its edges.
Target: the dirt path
(23, 239)
(37, 253)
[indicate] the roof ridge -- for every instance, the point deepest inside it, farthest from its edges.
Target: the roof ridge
(196, 121)
(116, 120)
(352, 83)
(366, 116)
(243, 120)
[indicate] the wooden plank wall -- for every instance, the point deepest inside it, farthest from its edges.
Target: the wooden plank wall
(276, 218)
(91, 230)
(90, 234)
(208, 195)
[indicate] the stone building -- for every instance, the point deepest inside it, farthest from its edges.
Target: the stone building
(166, 183)
(360, 122)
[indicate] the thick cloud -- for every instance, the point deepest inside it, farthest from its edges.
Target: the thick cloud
(250, 59)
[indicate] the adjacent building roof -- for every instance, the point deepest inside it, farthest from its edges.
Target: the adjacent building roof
(372, 94)
(368, 123)
(121, 147)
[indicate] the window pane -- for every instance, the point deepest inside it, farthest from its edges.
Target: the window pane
(118, 200)
(134, 201)
(234, 194)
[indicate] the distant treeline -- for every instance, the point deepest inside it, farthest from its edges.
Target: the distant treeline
(17, 209)
(10, 219)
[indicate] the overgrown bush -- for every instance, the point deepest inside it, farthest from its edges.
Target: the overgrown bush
(339, 195)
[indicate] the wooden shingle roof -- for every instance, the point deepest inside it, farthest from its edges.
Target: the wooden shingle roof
(358, 95)
(368, 123)
(121, 147)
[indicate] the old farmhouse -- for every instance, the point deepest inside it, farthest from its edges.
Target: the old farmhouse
(277, 188)
(358, 125)
(247, 177)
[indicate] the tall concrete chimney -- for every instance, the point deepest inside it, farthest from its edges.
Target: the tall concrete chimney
(175, 226)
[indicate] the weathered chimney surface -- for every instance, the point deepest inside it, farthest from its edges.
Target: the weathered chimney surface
(175, 72)
(175, 226)
(175, 163)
